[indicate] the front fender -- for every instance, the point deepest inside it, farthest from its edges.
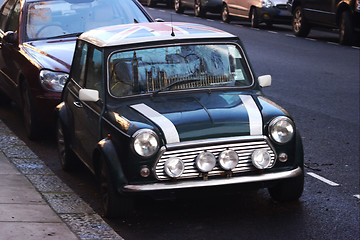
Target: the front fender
(299, 151)
(108, 152)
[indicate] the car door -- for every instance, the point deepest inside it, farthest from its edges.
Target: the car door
(85, 114)
(238, 7)
(188, 3)
(321, 11)
(9, 68)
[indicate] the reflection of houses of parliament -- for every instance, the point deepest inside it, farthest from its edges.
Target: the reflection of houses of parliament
(158, 79)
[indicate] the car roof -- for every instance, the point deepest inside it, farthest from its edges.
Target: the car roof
(154, 31)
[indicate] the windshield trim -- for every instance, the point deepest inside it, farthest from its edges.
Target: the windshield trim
(252, 78)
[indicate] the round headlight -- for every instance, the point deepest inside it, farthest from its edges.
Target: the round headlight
(53, 81)
(174, 167)
(145, 143)
(281, 129)
(205, 161)
(261, 158)
(228, 159)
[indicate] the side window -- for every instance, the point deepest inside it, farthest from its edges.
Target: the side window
(94, 76)
(13, 20)
(5, 12)
(79, 63)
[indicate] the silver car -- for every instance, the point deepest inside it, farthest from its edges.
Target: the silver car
(257, 11)
(200, 6)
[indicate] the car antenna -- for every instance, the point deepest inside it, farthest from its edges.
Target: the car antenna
(172, 27)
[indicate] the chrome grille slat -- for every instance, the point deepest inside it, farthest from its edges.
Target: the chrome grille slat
(244, 150)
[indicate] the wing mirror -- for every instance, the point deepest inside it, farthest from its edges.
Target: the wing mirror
(10, 37)
(88, 95)
(264, 81)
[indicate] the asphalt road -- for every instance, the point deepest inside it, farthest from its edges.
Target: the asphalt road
(317, 81)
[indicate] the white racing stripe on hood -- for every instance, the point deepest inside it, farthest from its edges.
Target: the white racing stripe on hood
(167, 127)
(255, 118)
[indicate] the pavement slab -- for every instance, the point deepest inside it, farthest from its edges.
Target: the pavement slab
(35, 203)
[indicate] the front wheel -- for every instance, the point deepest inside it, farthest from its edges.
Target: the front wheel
(346, 29)
(225, 16)
(114, 204)
(178, 6)
(30, 122)
(288, 190)
(299, 24)
(199, 11)
(151, 3)
(254, 18)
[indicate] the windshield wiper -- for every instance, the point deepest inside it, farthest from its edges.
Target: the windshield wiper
(168, 87)
(66, 35)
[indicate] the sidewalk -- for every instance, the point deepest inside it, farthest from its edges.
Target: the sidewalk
(35, 204)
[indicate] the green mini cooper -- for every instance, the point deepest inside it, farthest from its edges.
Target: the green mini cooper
(169, 108)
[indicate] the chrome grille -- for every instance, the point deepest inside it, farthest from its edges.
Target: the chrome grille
(188, 154)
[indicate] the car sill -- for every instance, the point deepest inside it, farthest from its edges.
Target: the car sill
(213, 182)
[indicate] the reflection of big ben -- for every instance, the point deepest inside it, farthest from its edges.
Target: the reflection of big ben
(135, 70)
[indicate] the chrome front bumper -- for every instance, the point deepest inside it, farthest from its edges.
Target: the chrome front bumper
(212, 182)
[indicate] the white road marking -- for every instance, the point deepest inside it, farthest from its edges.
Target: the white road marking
(290, 35)
(273, 32)
(356, 47)
(331, 183)
(332, 43)
(357, 196)
(311, 39)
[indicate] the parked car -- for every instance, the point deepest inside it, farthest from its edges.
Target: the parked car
(339, 14)
(37, 45)
(164, 109)
(200, 6)
(153, 3)
(257, 11)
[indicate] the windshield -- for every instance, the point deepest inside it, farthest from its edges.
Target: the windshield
(49, 19)
(177, 67)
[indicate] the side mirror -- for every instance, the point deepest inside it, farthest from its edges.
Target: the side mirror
(264, 81)
(10, 37)
(88, 95)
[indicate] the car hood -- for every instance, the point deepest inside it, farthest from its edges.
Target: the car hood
(280, 2)
(55, 54)
(202, 116)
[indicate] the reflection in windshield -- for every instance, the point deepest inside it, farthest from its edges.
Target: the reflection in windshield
(49, 19)
(151, 70)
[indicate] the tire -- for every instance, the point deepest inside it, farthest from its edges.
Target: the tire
(225, 16)
(151, 3)
(4, 100)
(114, 204)
(30, 122)
(254, 18)
(178, 6)
(299, 24)
(288, 190)
(199, 11)
(68, 160)
(346, 35)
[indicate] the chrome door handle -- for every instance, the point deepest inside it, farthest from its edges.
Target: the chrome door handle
(78, 104)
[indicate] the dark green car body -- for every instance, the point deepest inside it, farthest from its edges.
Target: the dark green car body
(183, 122)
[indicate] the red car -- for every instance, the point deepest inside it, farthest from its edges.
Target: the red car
(37, 46)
